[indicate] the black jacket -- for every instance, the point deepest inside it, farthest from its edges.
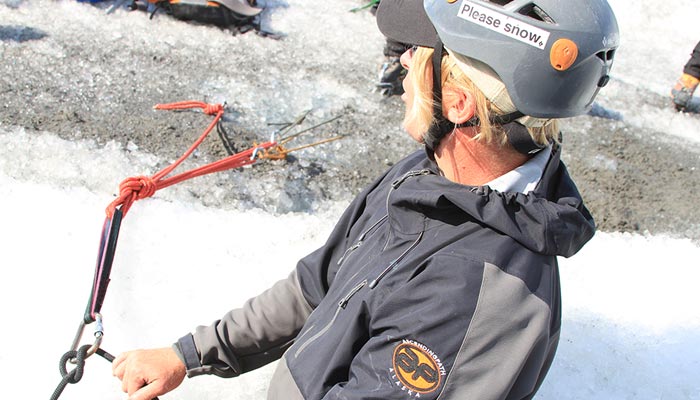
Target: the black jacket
(424, 289)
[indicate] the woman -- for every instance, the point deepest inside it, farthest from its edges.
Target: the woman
(440, 280)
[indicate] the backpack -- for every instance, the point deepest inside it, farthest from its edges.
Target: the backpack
(240, 16)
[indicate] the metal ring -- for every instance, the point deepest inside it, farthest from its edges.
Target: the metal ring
(99, 333)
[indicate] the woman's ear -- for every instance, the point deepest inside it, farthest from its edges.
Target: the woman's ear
(458, 106)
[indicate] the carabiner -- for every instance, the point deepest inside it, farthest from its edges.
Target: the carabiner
(99, 333)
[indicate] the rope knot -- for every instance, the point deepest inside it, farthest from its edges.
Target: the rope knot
(213, 109)
(142, 186)
(76, 374)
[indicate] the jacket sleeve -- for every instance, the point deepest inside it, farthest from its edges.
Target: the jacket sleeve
(249, 337)
(484, 336)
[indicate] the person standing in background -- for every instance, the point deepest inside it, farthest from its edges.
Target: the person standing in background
(391, 73)
(682, 91)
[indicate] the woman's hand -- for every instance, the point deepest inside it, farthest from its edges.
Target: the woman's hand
(146, 374)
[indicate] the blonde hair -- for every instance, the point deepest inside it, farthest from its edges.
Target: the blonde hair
(452, 76)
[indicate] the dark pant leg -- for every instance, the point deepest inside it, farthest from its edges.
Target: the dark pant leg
(395, 49)
(693, 65)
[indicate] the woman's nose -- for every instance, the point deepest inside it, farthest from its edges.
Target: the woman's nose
(406, 58)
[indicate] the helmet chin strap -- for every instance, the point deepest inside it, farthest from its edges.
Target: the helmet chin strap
(517, 134)
(441, 125)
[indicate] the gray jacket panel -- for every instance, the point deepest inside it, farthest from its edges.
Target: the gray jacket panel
(249, 337)
(509, 326)
(282, 385)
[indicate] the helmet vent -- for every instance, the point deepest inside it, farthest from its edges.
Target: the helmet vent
(535, 12)
(501, 2)
(606, 56)
(530, 10)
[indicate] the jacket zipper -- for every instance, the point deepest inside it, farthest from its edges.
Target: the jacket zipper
(346, 299)
(341, 306)
(409, 174)
(361, 239)
(397, 260)
(395, 185)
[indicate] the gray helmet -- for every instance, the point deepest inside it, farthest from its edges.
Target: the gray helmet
(552, 55)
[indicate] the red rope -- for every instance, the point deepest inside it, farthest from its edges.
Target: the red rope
(141, 187)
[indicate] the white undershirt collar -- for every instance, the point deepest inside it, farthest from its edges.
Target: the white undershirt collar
(525, 178)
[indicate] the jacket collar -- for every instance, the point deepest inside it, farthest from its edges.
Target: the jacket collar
(550, 220)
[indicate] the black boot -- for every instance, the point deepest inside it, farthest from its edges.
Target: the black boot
(391, 76)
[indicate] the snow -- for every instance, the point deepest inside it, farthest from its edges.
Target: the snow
(631, 327)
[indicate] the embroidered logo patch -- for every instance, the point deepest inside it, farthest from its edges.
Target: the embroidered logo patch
(416, 368)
